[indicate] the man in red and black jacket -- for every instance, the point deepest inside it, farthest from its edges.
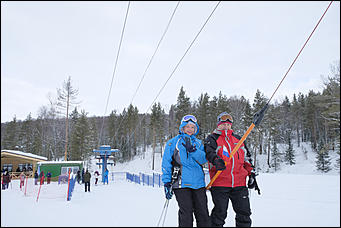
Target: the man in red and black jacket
(231, 183)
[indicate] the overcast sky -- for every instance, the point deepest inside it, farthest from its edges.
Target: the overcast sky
(245, 46)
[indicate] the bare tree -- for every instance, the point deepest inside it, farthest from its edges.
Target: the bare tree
(66, 98)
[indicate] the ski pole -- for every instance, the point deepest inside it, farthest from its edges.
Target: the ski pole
(257, 118)
(163, 210)
(164, 217)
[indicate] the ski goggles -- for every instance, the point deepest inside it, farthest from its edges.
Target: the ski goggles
(225, 117)
(188, 118)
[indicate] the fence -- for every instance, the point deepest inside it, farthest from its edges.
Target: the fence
(154, 180)
(141, 178)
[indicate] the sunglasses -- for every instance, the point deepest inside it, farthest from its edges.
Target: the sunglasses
(188, 118)
(225, 117)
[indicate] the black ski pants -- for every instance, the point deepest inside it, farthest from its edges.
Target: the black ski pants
(192, 201)
(87, 186)
(239, 197)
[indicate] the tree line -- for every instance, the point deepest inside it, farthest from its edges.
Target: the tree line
(312, 117)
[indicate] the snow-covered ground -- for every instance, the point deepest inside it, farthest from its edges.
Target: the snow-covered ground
(295, 196)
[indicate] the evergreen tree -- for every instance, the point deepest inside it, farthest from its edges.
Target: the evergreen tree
(38, 137)
(296, 120)
(213, 113)
(80, 146)
(157, 127)
(26, 134)
(222, 104)
(9, 141)
(258, 103)
(337, 148)
(302, 117)
(276, 156)
(289, 153)
(123, 136)
(94, 135)
(173, 129)
(311, 117)
(183, 106)
(247, 117)
(144, 133)
(322, 158)
(132, 121)
(271, 125)
(112, 128)
(202, 115)
(237, 107)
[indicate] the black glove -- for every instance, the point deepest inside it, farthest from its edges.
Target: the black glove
(168, 190)
(252, 181)
(189, 147)
(219, 163)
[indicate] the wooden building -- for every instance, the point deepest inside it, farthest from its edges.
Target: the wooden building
(16, 161)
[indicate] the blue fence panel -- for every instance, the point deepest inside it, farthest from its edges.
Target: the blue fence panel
(129, 176)
(133, 178)
(150, 180)
(136, 179)
(147, 179)
(157, 179)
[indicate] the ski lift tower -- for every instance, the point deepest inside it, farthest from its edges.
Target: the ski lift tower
(105, 151)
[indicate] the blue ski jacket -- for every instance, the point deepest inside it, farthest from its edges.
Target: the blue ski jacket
(191, 170)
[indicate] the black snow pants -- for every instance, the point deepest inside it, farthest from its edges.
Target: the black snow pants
(192, 201)
(87, 186)
(239, 197)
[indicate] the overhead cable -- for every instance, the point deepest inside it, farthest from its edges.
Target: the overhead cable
(112, 79)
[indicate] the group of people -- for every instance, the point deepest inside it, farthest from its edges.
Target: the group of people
(85, 177)
(183, 175)
(41, 177)
(5, 179)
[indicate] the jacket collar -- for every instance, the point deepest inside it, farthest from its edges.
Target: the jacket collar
(223, 132)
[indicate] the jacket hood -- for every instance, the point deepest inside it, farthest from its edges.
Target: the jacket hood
(184, 123)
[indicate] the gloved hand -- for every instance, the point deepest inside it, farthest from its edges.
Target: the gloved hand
(252, 181)
(219, 163)
(168, 190)
(189, 147)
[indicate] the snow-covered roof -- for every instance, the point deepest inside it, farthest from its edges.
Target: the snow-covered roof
(59, 162)
(25, 154)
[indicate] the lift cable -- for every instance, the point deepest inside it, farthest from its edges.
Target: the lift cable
(112, 79)
(176, 67)
(150, 61)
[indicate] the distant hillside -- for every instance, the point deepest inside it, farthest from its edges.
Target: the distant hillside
(305, 162)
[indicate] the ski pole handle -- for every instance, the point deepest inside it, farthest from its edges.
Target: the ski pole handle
(232, 153)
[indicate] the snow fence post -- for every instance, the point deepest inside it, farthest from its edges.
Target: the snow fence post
(68, 186)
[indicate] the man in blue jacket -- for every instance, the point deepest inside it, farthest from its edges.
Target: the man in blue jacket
(183, 173)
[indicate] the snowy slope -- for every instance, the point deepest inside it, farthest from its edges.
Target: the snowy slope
(295, 196)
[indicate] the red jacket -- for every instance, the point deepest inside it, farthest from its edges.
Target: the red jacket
(238, 167)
